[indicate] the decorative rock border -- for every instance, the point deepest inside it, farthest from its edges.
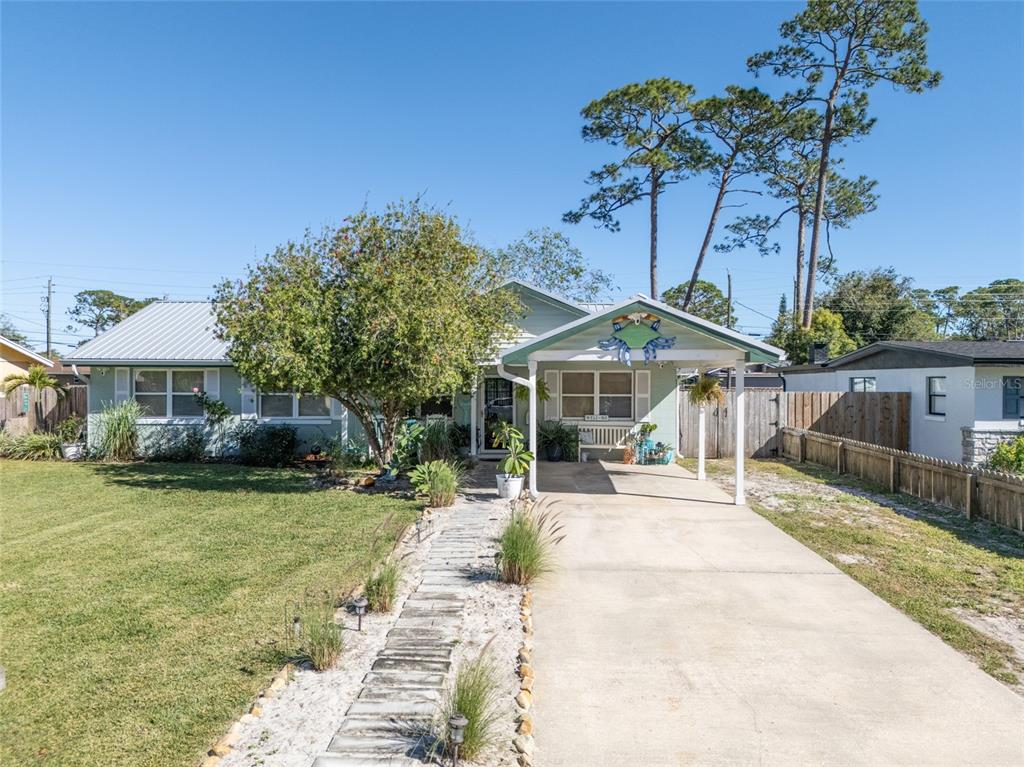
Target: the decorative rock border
(523, 742)
(226, 744)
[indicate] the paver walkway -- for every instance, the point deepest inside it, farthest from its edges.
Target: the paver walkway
(683, 630)
(389, 723)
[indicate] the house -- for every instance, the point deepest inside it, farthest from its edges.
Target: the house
(966, 396)
(15, 358)
(606, 367)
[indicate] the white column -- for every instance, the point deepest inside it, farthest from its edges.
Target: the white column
(701, 474)
(472, 421)
(740, 438)
(532, 415)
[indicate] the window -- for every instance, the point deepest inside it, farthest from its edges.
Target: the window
(607, 394)
(936, 395)
(436, 406)
(280, 405)
(862, 383)
(164, 393)
(1013, 396)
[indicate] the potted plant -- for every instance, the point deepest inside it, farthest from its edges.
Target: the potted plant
(559, 440)
(642, 442)
(515, 464)
(70, 431)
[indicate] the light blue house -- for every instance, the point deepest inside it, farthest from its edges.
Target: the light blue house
(606, 367)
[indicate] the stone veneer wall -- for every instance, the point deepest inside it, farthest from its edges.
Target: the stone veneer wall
(978, 444)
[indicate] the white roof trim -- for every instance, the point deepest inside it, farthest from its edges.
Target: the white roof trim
(665, 309)
(5, 341)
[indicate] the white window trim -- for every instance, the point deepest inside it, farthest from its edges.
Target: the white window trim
(928, 414)
(311, 419)
(169, 418)
(864, 388)
(597, 395)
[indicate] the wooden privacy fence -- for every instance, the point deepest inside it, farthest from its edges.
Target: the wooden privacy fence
(882, 418)
(13, 407)
(975, 492)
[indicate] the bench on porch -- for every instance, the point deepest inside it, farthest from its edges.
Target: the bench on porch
(606, 436)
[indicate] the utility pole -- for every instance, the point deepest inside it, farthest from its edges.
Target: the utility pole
(48, 308)
(728, 300)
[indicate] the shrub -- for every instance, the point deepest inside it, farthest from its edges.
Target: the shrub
(438, 480)
(408, 439)
(438, 444)
(70, 429)
(475, 692)
(459, 434)
(565, 435)
(177, 445)
(346, 455)
(382, 588)
(41, 446)
(119, 433)
(525, 546)
(1009, 456)
(262, 444)
(6, 444)
(320, 636)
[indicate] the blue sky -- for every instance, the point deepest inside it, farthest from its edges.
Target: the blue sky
(152, 148)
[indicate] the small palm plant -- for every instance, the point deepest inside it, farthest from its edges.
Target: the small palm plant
(38, 381)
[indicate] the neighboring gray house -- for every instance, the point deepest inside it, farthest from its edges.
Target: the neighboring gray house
(966, 396)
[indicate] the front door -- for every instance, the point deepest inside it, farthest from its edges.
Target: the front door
(498, 407)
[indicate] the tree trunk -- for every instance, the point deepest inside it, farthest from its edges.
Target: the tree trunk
(655, 191)
(719, 198)
(798, 297)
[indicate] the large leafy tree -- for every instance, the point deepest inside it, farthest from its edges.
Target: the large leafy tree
(743, 128)
(546, 258)
(826, 327)
(841, 49)
(382, 313)
(649, 121)
(994, 312)
(102, 309)
(706, 301)
(878, 305)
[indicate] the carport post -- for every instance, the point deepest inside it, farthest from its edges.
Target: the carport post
(472, 421)
(701, 473)
(532, 415)
(739, 414)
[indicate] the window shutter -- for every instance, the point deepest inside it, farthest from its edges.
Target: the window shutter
(643, 395)
(248, 399)
(122, 385)
(551, 406)
(337, 410)
(211, 384)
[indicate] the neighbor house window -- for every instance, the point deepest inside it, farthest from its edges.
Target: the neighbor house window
(591, 393)
(163, 393)
(1013, 396)
(862, 383)
(290, 405)
(437, 406)
(936, 395)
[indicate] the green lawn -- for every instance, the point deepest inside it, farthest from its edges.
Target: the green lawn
(951, 574)
(142, 605)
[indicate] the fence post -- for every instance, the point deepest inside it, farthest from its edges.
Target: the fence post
(969, 498)
(839, 458)
(894, 480)
(802, 447)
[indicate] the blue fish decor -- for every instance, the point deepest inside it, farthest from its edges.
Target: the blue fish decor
(638, 330)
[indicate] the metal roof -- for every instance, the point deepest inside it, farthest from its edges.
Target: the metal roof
(953, 352)
(179, 332)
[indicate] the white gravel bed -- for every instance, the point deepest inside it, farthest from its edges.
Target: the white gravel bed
(297, 725)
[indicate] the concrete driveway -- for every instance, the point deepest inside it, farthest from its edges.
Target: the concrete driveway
(683, 630)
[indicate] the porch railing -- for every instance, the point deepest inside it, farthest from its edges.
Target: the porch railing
(603, 435)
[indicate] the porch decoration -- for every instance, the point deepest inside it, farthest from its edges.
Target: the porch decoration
(637, 330)
(515, 464)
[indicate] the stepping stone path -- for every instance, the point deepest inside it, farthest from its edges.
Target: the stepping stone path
(389, 723)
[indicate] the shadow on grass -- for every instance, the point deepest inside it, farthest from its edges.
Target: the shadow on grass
(210, 477)
(977, 532)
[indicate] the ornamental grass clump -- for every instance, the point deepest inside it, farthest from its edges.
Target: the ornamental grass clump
(526, 546)
(475, 692)
(119, 433)
(319, 635)
(41, 446)
(382, 588)
(438, 480)
(438, 442)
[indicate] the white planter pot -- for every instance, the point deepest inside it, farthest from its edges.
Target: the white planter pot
(513, 487)
(502, 485)
(73, 451)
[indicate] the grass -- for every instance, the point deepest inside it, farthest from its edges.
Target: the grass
(475, 693)
(934, 564)
(381, 588)
(526, 546)
(321, 638)
(141, 604)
